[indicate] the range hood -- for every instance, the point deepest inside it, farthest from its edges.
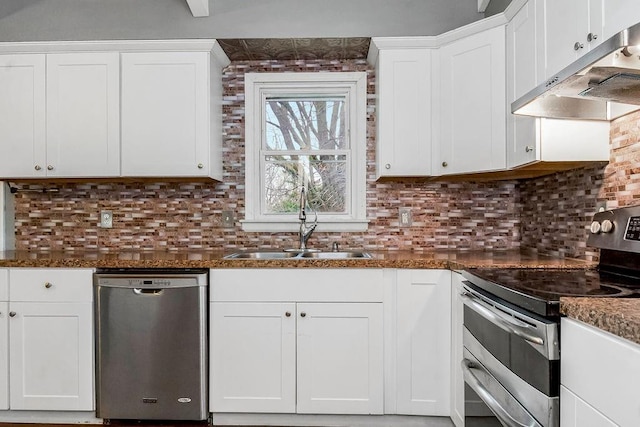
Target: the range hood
(603, 84)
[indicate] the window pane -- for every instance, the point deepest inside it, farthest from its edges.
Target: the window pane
(305, 124)
(324, 177)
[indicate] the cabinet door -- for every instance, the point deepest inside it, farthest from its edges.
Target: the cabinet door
(4, 355)
(340, 358)
(575, 412)
(566, 23)
(618, 15)
(522, 76)
(51, 354)
(22, 116)
(612, 364)
(253, 357)
(457, 325)
(165, 114)
(404, 112)
(472, 100)
(423, 335)
(83, 114)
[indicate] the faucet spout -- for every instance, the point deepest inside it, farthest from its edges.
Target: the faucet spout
(305, 230)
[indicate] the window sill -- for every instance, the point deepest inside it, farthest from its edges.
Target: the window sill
(288, 226)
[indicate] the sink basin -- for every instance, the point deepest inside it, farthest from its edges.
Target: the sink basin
(261, 255)
(335, 255)
(299, 255)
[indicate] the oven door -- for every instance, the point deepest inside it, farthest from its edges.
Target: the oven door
(511, 364)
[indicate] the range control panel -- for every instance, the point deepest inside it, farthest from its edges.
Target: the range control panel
(617, 229)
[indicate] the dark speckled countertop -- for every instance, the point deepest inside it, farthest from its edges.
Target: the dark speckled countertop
(214, 259)
(616, 315)
(619, 316)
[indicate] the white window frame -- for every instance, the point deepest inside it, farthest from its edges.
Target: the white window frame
(258, 86)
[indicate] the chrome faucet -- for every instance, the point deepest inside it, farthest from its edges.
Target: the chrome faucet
(305, 230)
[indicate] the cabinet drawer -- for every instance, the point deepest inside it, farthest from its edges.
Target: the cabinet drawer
(4, 284)
(297, 285)
(51, 285)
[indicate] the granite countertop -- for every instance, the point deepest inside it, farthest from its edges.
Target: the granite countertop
(454, 260)
(619, 316)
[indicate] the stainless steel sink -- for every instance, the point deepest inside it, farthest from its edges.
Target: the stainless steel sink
(261, 255)
(266, 255)
(336, 255)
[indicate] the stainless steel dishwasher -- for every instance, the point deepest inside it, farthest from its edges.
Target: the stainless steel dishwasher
(151, 344)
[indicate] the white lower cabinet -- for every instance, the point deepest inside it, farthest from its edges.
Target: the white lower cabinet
(598, 375)
(575, 412)
(296, 341)
(340, 358)
(50, 340)
(4, 339)
(418, 343)
(253, 357)
(457, 326)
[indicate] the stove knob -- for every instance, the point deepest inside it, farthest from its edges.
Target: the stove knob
(595, 227)
(607, 226)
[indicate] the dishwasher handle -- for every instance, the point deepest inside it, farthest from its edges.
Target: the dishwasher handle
(147, 291)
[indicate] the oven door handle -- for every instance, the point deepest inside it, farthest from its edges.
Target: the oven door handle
(500, 321)
(500, 412)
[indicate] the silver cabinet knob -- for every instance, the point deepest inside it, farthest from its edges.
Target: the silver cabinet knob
(303, 314)
(12, 313)
(49, 168)
(200, 166)
(528, 149)
(578, 46)
(48, 285)
(387, 166)
(288, 314)
(445, 164)
(591, 37)
(37, 167)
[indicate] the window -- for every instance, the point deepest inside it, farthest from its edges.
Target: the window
(305, 130)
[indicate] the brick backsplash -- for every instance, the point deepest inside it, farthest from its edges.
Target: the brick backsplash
(557, 209)
(171, 215)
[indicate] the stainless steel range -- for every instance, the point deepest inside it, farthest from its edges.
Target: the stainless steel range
(511, 333)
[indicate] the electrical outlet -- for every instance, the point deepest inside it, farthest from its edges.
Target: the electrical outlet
(106, 219)
(227, 219)
(405, 217)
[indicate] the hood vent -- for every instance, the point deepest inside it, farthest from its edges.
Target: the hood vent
(603, 84)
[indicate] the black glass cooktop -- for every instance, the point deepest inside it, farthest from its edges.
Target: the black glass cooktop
(540, 290)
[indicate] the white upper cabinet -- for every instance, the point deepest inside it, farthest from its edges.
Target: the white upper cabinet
(63, 122)
(22, 115)
(523, 74)
(618, 15)
(472, 127)
(165, 114)
(571, 28)
(403, 78)
(530, 139)
(111, 109)
(83, 115)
